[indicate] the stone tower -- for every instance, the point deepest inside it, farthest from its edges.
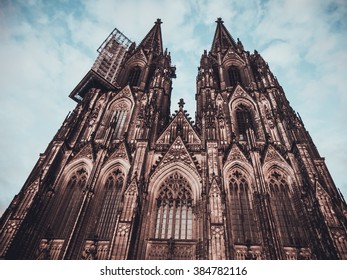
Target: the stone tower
(125, 179)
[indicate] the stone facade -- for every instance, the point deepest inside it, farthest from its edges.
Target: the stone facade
(124, 179)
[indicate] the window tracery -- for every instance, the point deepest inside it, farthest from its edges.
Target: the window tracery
(71, 199)
(134, 76)
(111, 197)
(216, 76)
(119, 118)
(327, 207)
(151, 73)
(234, 76)
(283, 209)
(174, 213)
(216, 205)
(244, 121)
(116, 118)
(242, 215)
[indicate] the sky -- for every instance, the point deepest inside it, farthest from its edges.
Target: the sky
(46, 47)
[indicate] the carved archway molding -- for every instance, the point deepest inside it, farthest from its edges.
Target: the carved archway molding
(120, 163)
(273, 166)
(177, 249)
(191, 175)
(243, 166)
(72, 167)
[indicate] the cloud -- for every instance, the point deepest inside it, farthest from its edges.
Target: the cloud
(39, 68)
(304, 43)
(48, 46)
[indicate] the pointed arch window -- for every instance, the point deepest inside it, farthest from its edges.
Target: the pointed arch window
(70, 203)
(243, 221)
(115, 117)
(111, 196)
(234, 76)
(119, 119)
(134, 76)
(150, 75)
(215, 69)
(283, 209)
(244, 121)
(174, 213)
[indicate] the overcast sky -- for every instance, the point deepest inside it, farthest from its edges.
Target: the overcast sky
(46, 47)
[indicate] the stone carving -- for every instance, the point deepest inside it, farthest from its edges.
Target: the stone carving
(178, 152)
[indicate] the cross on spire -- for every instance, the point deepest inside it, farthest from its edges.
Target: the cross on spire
(181, 104)
(219, 20)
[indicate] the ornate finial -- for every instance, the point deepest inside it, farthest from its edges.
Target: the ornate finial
(219, 20)
(158, 21)
(181, 104)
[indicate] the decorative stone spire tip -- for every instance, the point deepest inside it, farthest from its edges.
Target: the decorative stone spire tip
(181, 104)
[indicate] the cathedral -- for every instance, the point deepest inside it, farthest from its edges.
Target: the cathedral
(124, 178)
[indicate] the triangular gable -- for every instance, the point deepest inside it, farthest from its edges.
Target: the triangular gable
(177, 152)
(232, 55)
(273, 155)
(193, 137)
(239, 91)
(85, 152)
(219, 100)
(236, 154)
(120, 152)
(215, 189)
(125, 92)
(138, 56)
(132, 188)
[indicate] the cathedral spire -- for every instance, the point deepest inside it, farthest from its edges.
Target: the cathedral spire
(222, 38)
(125, 179)
(153, 40)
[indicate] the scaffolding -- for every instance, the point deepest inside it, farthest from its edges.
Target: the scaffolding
(111, 53)
(119, 37)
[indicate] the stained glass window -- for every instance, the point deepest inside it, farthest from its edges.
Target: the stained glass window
(174, 218)
(242, 214)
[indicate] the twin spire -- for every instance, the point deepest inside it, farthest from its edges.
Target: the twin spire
(153, 40)
(222, 38)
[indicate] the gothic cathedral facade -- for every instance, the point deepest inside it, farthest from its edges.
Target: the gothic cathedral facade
(124, 179)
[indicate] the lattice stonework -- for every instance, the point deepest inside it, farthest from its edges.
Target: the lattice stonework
(295, 253)
(166, 250)
(242, 212)
(283, 208)
(7, 234)
(157, 252)
(68, 203)
(174, 218)
(50, 249)
(110, 202)
(121, 241)
(218, 242)
(96, 250)
(243, 252)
